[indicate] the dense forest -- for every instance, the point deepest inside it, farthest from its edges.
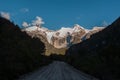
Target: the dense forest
(19, 53)
(100, 54)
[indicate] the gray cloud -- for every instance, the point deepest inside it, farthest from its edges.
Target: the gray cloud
(77, 18)
(24, 10)
(105, 23)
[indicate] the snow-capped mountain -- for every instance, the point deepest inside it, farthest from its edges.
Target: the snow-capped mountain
(63, 37)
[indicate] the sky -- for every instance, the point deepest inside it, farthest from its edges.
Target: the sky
(62, 13)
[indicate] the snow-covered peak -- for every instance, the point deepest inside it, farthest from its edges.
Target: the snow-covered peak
(49, 36)
(59, 38)
(78, 26)
(34, 28)
(63, 31)
(97, 28)
(87, 30)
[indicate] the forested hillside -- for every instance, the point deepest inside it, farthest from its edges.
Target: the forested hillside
(99, 55)
(19, 53)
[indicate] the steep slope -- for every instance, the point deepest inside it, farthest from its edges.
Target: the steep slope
(58, 38)
(58, 41)
(49, 49)
(99, 55)
(58, 71)
(64, 37)
(91, 32)
(19, 53)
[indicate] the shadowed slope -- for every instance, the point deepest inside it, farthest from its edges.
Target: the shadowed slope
(19, 53)
(100, 54)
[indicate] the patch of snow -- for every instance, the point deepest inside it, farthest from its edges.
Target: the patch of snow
(33, 28)
(78, 26)
(42, 29)
(63, 31)
(97, 28)
(87, 30)
(49, 36)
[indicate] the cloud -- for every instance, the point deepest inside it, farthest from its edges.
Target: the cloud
(38, 21)
(77, 18)
(24, 10)
(105, 24)
(5, 15)
(25, 24)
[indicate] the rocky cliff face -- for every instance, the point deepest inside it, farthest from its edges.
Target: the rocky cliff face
(62, 38)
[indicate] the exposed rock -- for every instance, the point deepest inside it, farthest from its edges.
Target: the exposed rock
(60, 39)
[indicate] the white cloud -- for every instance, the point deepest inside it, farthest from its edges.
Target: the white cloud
(105, 24)
(24, 10)
(25, 24)
(77, 18)
(38, 21)
(5, 15)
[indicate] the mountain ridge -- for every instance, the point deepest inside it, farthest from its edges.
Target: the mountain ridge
(58, 41)
(100, 54)
(62, 33)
